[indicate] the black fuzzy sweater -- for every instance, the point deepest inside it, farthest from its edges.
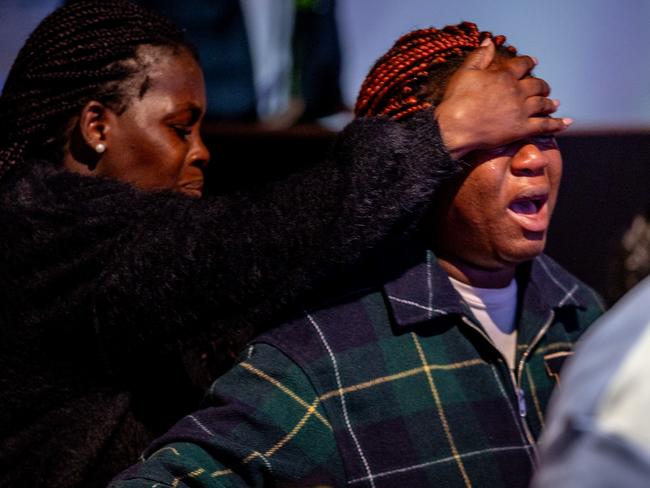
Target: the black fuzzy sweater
(109, 294)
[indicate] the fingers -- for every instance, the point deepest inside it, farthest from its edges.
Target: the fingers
(481, 57)
(531, 87)
(519, 66)
(547, 125)
(540, 106)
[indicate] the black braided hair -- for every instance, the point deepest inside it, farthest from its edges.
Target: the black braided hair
(86, 50)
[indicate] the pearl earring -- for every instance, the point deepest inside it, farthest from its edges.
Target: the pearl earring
(100, 148)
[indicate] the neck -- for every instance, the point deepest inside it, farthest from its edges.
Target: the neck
(476, 276)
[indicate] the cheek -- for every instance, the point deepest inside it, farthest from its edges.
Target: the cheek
(554, 177)
(142, 149)
(155, 164)
(466, 207)
(479, 199)
(166, 158)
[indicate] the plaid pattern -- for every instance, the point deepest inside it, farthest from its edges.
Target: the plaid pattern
(392, 387)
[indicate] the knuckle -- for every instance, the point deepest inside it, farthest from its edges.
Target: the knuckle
(541, 87)
(546, 124)
(539, 105)
(524, 59)
(538, 85)
(546, 88)
(542, 107)
(550, 106)
(527, 63)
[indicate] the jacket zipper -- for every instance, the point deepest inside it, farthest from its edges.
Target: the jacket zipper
(520, 373)
(516, 380)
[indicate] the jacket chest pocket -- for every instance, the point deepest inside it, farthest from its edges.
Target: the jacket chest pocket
(554, 362)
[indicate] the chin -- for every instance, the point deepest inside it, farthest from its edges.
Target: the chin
(525, 251)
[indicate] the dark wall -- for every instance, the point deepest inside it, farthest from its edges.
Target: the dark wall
(606, 183)
(246, 154)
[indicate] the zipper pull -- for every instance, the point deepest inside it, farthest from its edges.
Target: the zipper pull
(521, 401)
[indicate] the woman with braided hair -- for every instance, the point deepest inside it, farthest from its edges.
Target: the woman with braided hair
(435, 375)
(115, 285)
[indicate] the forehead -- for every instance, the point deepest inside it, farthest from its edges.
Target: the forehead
(172, 71)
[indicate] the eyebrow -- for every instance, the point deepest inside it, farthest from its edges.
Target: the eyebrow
(194, 110)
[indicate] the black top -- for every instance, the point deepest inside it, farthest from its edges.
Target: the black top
(108, 292)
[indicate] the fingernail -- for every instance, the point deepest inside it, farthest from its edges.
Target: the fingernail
(535, 60)
(486, 42)
(556, 102)
(567, 121)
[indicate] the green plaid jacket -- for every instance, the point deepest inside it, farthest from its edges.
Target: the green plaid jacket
(398, 386)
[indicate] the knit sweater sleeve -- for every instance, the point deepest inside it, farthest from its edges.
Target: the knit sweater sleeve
(218, 264)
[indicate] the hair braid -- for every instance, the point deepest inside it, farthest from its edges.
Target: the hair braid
(399, 83)
(83, 51)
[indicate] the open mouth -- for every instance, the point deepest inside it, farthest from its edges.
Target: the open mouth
(528, 205)
(531, 212)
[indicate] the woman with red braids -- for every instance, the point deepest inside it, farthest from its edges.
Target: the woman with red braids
(437, 370)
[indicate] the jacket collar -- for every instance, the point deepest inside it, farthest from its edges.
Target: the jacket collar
(423, 292)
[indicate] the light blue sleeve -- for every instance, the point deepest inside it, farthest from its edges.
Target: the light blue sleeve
(598, 425)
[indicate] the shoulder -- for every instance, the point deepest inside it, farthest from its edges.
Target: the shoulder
(326, 322)
(263, 372)
(327, 340)
(564, 287)
(38, 183)
(37, 188)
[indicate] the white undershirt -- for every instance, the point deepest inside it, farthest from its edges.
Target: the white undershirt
(495, 309)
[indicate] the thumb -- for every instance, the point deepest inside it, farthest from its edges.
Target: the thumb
(481, 57)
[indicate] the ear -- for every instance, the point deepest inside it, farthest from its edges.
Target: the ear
(88, 140)
(94, 124)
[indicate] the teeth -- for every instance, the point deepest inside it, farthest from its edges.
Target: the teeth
(524, 207)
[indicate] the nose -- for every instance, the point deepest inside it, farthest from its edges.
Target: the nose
(199, 154)
(529, 160)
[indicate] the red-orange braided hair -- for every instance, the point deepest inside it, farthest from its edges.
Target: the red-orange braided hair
(399, 83)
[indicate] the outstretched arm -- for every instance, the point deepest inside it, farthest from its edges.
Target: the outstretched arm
(241, 259)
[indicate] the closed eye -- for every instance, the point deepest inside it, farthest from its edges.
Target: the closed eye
(496, 151)
(545, 141)
(182, 130)
(505, 150)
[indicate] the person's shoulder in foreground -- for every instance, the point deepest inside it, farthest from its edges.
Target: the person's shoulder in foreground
(598, 433)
